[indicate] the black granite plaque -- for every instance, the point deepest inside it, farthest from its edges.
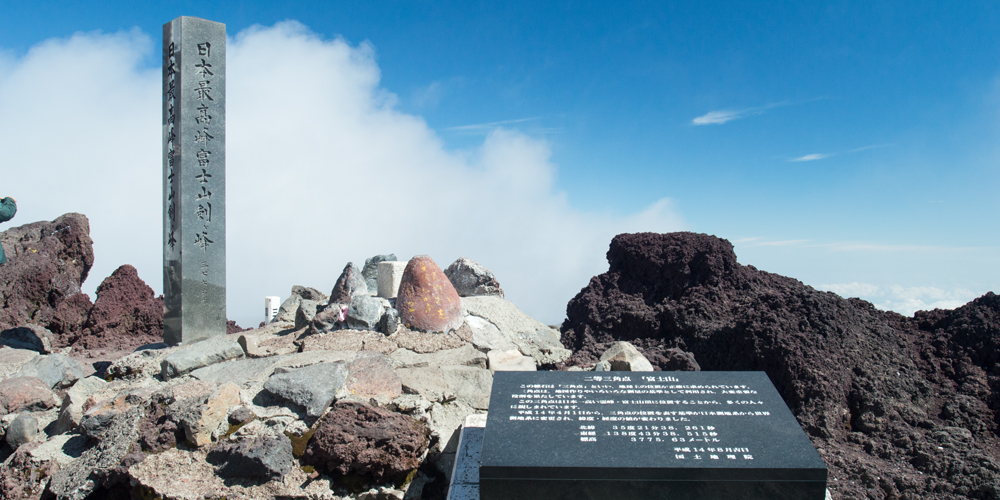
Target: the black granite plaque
(648, 435)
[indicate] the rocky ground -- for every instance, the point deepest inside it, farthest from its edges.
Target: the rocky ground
(350, 395)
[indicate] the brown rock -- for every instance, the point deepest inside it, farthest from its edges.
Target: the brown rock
(125, 315)
(355, 438)
(371, 376)
(348, 340)
(427, 300)
(349, 283)
(25, 393)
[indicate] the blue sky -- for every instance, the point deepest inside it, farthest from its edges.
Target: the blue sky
(851, 145)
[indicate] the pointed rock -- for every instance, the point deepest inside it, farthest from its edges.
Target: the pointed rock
(427, 300)
(470, 278)
(370, 271)
(350, 283)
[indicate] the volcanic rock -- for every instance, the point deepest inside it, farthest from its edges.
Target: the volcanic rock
(125, 315)
(471, 278)
(263, 457)
(25, 393)
(624, 357)
(364, 313)
(286, 313)
(370, 271)
(33, 337)
(57, 370)
(875, 391)
(22, 430)
(313, 387)
(350, 283)
(355, 438)
(47, 263)
(427, 301)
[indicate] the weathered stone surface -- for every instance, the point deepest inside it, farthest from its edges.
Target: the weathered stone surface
(57, 370)
(125, 315)
(355, 438)
(25, 394)
(370, 376)
(370, 271)
(202, 418)
(286, 313)
(445, 421)
(263, 457)
(532, 337)
(47, 263)
(389, 322)
(305, 313)
(22, 430)
(350, 284)
(390, 275)
(426, 342)
(61, 449)
(678, 360)
(486, 336)
(97, 416)
(312, 387)
(427, 301)
(78, 479)
(71, 412)
(199, 354)
(428, 382)
(470, 384)
(179, 475)
(471, 278)
(364, 313)
(349, 340)
(28, 336)
(624, 357)
(465, 355)
(510, 360)
(21, 476)
(138, 365)
(11, 360)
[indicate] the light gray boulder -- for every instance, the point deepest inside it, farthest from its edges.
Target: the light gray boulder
(286, 313)
(203, 353)
(470, 278)
(486, 336)
(511, 361)
(71, 412)
(530, 336)
(305, 313)
(364, 312)
(22, 430)
(624, 357)
(471, 385)
(11, 360)
(312, 387)
(57, 370)
(465, 355)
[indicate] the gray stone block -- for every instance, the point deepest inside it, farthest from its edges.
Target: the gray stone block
(199, 354)
(57, 370)
(263, 457)
(364, 313)
(313, 387)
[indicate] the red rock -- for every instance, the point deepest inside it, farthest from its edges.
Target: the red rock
(25, 393)
(125, 315)
(427, 300)
(355, 438)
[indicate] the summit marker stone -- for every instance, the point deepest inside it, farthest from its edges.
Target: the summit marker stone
(194, 180)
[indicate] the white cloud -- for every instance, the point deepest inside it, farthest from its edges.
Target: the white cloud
(727, 115)
(321, 169)
(486, 127)
(811, 157)
(901, 299)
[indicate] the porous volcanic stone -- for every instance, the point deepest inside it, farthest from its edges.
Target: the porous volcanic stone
(370, 271)
(261, 457)
(47, 263)
(471, 278)
(125, 315)
(349, 284)
(427, 301)
(355, 438)
(871, 389)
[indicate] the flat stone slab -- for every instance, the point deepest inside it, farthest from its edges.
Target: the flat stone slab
(466, 355)
(632, 435)
(313, 387)
(199, 354)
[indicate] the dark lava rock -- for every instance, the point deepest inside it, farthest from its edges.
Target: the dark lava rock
(350, 283)
(261, 457)
(355, 438)
(232, 327)
(427, 301)
(879, 394)
(125, 315)
(47, 263)
(22, 477)
(470, 278)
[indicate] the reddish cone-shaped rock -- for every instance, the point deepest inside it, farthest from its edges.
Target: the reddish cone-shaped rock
(427, 300)
(125, 315)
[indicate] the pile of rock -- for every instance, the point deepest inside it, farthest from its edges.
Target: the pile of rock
(346, 395)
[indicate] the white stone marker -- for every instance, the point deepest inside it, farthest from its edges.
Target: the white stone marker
(390, 274)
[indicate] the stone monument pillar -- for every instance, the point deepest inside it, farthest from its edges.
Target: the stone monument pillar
(194, 180)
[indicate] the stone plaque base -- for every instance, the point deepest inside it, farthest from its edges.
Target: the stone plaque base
(645, 435)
